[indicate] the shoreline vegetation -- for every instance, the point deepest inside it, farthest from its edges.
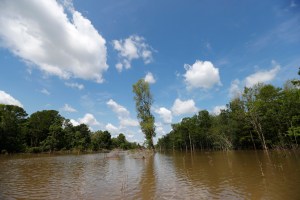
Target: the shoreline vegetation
(48, 131)
(262, 117)
(139, 153)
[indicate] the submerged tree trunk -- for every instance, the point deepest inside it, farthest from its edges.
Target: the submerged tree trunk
(186, 149)
(257, 127)
(252, 140)
(190, 142)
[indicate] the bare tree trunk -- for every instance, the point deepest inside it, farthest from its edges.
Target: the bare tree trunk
(263, 137)
(253, 141)
(186, 149)
(257, 127)
(190, 142)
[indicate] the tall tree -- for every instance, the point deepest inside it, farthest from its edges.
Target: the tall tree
(38, 126)
(253, 112)
(143, 101)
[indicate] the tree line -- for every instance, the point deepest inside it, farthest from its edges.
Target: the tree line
(262, 117)
(47, 130)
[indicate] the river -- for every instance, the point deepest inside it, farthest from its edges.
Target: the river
(174, 175)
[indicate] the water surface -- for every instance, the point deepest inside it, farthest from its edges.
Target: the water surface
(200, 175)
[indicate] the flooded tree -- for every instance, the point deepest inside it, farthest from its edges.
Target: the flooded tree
(143, 101)
(263, 117)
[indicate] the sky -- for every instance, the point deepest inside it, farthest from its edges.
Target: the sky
(82, 57)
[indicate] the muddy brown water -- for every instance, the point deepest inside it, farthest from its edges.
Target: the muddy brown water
(174, 175)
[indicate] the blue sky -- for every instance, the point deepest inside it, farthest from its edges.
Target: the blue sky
(82, 57)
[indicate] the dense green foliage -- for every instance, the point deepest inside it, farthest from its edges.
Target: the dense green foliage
(143, 101)
(48, 131)
(262, 117)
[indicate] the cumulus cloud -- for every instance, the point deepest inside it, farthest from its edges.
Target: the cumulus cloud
(8, 99)
(122, 113)
(74, 122)
(124, 122)
(184, 107)
(68, 108)
(112, 129)
(45, 91)
(129, 135)
(87, 119)
(149, 78)
(217, 109)
(235, 89)
(40, 33)
(262, 76)
(202, 74)
(118, 109)
(133, 47)
(165, 114)
(160, 129)
(75, 85)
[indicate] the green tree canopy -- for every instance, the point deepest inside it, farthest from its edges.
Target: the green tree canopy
(12, 119)
(143, 102)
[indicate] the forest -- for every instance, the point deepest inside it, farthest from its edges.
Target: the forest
(262, 117)
(48, 131)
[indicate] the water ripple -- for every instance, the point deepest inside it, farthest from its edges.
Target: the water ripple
(212, 175)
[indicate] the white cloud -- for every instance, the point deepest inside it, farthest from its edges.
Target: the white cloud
(235, 89)
(74, 122)
(119, 67)
(149, 78)
(184, 107)
(122, 113)
(40, 33)
(68, 108)
(8, 99)
(87, 119)
(45, 91)
(75, 85)
(160, 129)
(262, 76)
(112, 129)
(124, 122)
(118, 109)
(217, 109)
(202, 74)
(129, 135)
(165, 114)
(133, 47)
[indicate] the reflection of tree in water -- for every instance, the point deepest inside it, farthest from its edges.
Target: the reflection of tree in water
(235, 174)
(148, 180)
